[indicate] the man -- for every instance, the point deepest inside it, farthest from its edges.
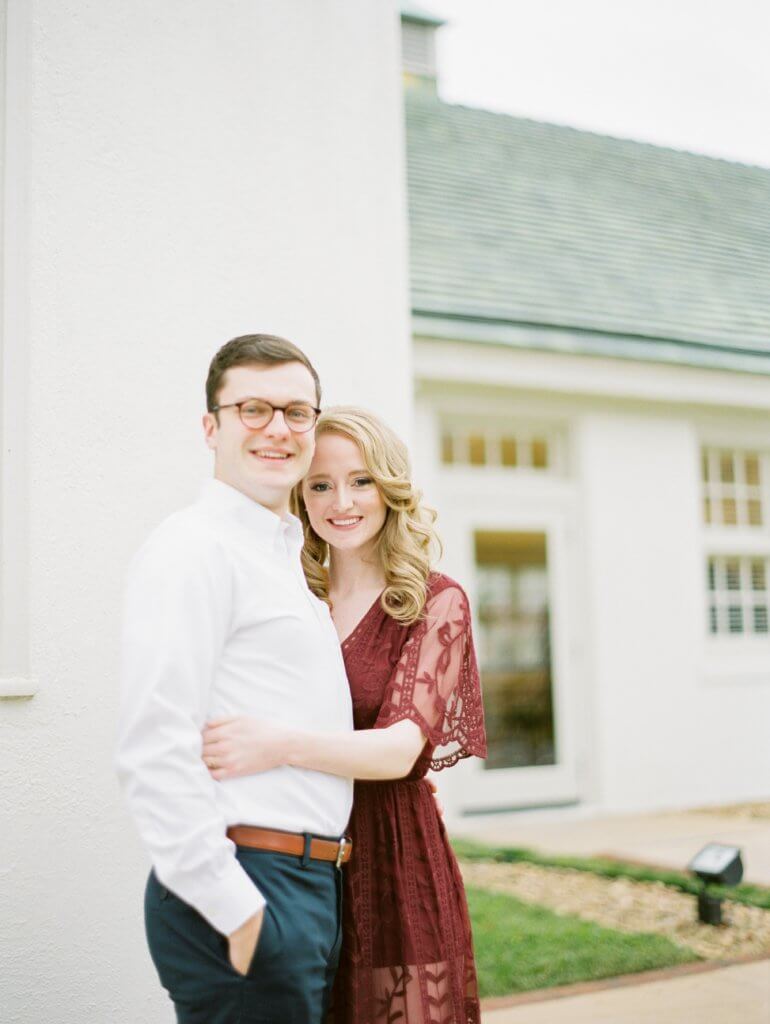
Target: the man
(242, 908)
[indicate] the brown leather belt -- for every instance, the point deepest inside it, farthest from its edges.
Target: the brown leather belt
(291, 842)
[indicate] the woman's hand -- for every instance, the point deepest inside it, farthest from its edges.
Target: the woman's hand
(436, 797)
(233, 747)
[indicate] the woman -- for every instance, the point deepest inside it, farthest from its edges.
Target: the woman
(406, 639)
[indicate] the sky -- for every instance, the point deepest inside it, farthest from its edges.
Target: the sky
(691, 74)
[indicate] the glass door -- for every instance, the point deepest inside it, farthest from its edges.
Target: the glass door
(514, 648)
(522, 629)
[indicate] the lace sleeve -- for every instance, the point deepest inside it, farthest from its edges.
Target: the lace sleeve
(436, 682)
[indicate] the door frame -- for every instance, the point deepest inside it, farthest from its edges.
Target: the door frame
(471, 503)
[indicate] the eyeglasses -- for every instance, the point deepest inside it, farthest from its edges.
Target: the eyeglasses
(256, 412)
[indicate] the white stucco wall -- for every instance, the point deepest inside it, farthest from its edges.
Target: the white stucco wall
(194, 171)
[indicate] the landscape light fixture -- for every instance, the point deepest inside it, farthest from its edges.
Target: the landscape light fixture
(715, 864)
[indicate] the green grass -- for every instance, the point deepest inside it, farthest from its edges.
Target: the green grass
(520, 947)
(752, 895)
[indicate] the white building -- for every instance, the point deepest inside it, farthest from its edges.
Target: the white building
(590, 320)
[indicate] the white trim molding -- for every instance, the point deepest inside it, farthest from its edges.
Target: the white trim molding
(14, 347)
(17, 686)
(445, 361)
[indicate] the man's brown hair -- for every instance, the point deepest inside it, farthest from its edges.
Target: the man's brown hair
(254, 350)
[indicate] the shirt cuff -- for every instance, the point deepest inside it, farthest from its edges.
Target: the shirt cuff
(231, 900)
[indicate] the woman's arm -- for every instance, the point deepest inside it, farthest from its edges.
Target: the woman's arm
(436, 684)
(388, 753)
(234, 747)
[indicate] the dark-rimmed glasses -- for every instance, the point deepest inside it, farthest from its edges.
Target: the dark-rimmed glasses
(256, 412)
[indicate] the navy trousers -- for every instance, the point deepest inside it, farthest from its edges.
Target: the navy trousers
(290, 977)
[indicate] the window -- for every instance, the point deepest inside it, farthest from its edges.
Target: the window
(736, 518)
(738, 595)
(500, 446)
(732, 487)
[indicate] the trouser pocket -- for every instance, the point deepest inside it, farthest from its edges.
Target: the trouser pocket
(186, 950)
(334, 955)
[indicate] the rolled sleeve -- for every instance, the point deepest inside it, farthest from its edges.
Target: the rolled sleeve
(176, 621)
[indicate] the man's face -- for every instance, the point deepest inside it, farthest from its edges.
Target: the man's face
(265, 463)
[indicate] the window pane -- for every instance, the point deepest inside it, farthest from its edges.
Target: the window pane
(539, 454)
(707, 510)
(705, 466)
(748, 582)
(477, 450)
(713, 627)
(447, 449)
(758, 576)
(514, 648)
(733, 574)
(751, 467)
(755, 513)
(726, 468)
(729, 512)
(508, 452)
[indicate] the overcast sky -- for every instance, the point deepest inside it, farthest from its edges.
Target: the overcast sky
(693, 74)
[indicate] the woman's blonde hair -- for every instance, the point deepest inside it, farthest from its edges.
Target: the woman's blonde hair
(405, 544)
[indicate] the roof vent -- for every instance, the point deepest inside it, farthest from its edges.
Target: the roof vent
(418, 46)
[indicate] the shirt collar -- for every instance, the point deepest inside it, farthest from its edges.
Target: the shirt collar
(276, 532)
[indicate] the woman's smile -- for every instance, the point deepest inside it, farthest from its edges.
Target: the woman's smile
(346, 523)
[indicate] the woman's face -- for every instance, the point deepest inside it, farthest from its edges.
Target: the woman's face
(342, 500)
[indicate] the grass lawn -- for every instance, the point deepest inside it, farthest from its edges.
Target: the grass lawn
(520, 947)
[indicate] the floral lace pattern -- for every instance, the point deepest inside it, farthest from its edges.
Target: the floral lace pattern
(407, 954)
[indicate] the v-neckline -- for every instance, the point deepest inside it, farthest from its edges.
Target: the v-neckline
(363, 619)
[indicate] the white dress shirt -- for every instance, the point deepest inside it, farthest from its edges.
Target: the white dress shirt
(219, 621)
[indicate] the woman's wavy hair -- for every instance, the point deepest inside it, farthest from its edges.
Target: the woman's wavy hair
(407, 541)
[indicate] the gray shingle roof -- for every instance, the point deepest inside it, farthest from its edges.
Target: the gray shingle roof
(659, 254)
(416, 12)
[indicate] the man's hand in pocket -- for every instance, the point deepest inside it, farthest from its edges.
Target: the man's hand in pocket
(243, 942)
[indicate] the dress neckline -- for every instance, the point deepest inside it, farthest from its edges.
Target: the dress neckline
(363, 619)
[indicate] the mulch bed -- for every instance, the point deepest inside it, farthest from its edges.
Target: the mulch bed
(629, 906)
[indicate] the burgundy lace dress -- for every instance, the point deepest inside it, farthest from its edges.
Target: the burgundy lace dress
(407, 954)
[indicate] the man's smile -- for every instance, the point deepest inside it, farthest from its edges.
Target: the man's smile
(272, 454)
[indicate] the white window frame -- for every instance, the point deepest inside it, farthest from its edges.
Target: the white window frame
(739, 491)
(744, 597)
(508, 499)
(494, 421)
(737, 658)
(15, 676)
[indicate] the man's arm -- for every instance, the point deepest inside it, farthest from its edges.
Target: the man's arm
(176, 620)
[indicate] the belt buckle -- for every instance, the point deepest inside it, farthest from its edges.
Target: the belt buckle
(344, 842)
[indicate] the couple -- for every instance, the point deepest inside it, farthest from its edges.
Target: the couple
(244, 722)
